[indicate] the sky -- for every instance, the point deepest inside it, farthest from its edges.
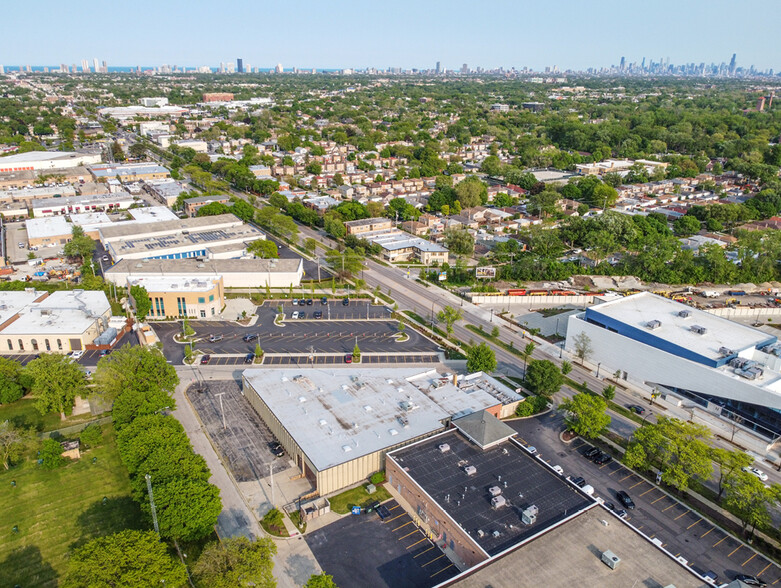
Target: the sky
(571, 34)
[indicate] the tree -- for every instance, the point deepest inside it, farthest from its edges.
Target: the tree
(527, 353)
(142, 301)
(187, 509)
(480, 358)
(13, 441)
(13, 383)
(609, 392)
(310, 245)
(347, 263)
(338, 179)
(586, 414)
(56, 381)
(264, 249)
(686, 226)
(582, 346)
(321, 580)
(124, 560)
(471, 192)
(566, 367)
(459, 241)
(148, 434)
(449, 316)
(91, 436)
(135, 368)
(236, 561)
(748, 499)
(334, 227)
(213, 209)
(50, 454)
(137, 150)
(80, 245)
(543, 377)
(730, 463)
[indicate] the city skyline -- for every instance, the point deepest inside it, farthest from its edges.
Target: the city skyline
(347, 35)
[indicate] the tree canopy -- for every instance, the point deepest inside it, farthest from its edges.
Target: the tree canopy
(543, 377)
(56, 381)
(586, 414)
(480, 358)
(237, 561)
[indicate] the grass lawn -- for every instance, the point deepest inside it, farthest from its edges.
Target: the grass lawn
(57, 510)
(22, 413)
(341, 503)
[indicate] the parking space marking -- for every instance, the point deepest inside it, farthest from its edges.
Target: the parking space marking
(397, 506)
(408, 534)
(711, 529)
(694, 524)
(658, 499)
(764, 569)
(398, 517)
(422, 552)
(749, 559)
(649, 490)
(625, 477)
(720, 540)
(681, 515)
(416, 542)
(640, 482)
(442, 570)
(614, 471)
(672, 505)
(432, 561)
(734, 550)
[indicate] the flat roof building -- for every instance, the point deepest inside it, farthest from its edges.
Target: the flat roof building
(46, 160)
(726, 367)
(338, 425)
(197, 297)
(400, 246)
(193, 205)
(166, 190)
(129, 172)
(79, 204)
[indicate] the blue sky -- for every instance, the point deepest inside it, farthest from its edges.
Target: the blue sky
(350, 33)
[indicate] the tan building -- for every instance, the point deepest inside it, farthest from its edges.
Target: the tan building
(193, 205)
(16, 179)
(194, 297)
(217, 97)
(368, 225)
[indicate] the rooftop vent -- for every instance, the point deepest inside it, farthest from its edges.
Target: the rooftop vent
(323, 422)
(346, 448)
(470, 470)
(367, 408)
(653, 324)
(393, 432)
(725, 351)
(685, 314)
(444, 448)
(302, 398)
(698, 329)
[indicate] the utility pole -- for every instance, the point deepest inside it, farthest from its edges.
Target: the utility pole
(152, 503)
(271, 469)
(220, 395)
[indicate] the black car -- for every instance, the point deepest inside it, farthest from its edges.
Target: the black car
(318, 314)
(751, 580)
(636, 408)
(276, 449)
(346, 302)
(324, 301)
(309, 302)
(250, 358)
(579, 481)
(625, 500)
(592, 453)
(302, 314)
(602, 459)
(248, 338)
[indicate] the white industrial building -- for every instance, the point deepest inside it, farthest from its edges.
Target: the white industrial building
(79, 204)
(727, 367)
(47, 160)
(127, 112)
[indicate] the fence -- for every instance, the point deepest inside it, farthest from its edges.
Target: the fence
(532, 300)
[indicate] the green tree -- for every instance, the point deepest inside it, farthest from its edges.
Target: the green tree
(730, 463)
(527, 353)
(13, 442)
(583, 347)
(748, 499)
(480, 358)
(543, 377)
(91, 436)
(314, 168)
(586, 415)
(356, 353)
(56, 381)
(471, 192)
(449, 316)
(80, 245)
(346, 263)
(135, 368)
(686, 226)
(13, 383)
(50, 454)
(264, 249)
(335, 227)
(321, 580)
(236, 561)
(310, 245)
(127, 559)
(459, 241)
(141, 300)
(213, 209)
(187, 509)
(137, 150)
(566, 367)
(338, 179)
(609, 392)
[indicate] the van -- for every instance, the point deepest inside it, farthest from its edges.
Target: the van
(588, 489)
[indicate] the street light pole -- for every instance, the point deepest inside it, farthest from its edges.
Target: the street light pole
(271, 469)
(598, 366)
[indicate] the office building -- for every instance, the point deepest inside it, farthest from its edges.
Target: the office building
(438, 69)
(240, 65)
(196, 297)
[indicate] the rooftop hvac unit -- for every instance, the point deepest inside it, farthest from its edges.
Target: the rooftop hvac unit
(494, 491)
(498, 502)
(529, 515)
(444, 448)
(698, 329)
(610, 559)
(725, 352)
(653, 324)
(685, 314)
(470, 470)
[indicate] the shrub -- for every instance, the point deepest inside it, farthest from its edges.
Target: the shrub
(51, 454)
(91, 436)
(532, 405)
(377, 478)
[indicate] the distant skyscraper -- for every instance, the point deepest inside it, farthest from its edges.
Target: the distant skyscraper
(732, 64)
(622, 67)
(84, 66)
(439, 68)
(279, 68)
(240, 65)
(465, 69)
(96, 65)
(105, 67)
(2, 70)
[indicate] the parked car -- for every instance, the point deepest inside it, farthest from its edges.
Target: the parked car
(602, 459)
(579, 481)
(348, 358)
(592, 453)
(206, 359)
(621, 513)
(750, 580)
(383, 512)
(636, 408)
(250, 337)
(324, 301)
(625, 499)
(215, 338)
(76, 355)
(346, 302)
(531, 449)
(318, 314)
(105, 258)
(105, 352)
(276, 448)
(302, 314)
(294, 315)
(309, 302)
(250, 358)
(295, 301)
(756, 472)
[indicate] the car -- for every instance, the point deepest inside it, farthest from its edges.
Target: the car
(76, 355)
(348, 358)
(345, 302)
(21, 245)
(294, 315)
(250, 337)
(610, 506)
(756, 472)
(636, 408)
(206, 359)
(302, 314)
(309, 302)
(579, 481)
(324, 301)
(558, 469)
(276, 448)
(592, 453)
(625, 499)
(318, 314)
(531, 449)
(620, 513)
(250, 358)
(105, 258)
(710, 574)
(215, 338)
(750, 580)
(105, 352)
(602, 459)
(295, 301)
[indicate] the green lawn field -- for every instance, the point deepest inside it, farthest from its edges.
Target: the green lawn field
(57, 510)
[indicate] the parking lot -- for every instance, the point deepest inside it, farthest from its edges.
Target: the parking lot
(334, 310)
(400, 554)
(671, 524)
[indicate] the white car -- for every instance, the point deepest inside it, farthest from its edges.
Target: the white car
(294, 315)
(756, 472)
(76, 355)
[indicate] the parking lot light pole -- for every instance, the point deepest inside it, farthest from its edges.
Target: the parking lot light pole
(222, 410)
(271, 469)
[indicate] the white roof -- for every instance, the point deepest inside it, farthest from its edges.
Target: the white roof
(153, 214)
(337, 415)
(47, 226)
(41, 156)
(173, 283)
(64, 312)
(12, 302)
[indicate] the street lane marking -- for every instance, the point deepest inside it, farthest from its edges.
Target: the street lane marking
(416, 542)
(647, 491)
(693, 524)
(734, 550)
(681, 515)
(640, 482)
(658, 499)
(720, 540)
(432, 561)
(422, 552)
(711, 529)
(442, 570)
(748, 560)
(408, 534)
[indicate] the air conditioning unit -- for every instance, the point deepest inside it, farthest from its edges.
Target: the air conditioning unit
(494, 491)
(529, 515)
(685, 314)
(610, 559)
(444, 448)
(653, 324)
(470, 470)
(698, 329)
